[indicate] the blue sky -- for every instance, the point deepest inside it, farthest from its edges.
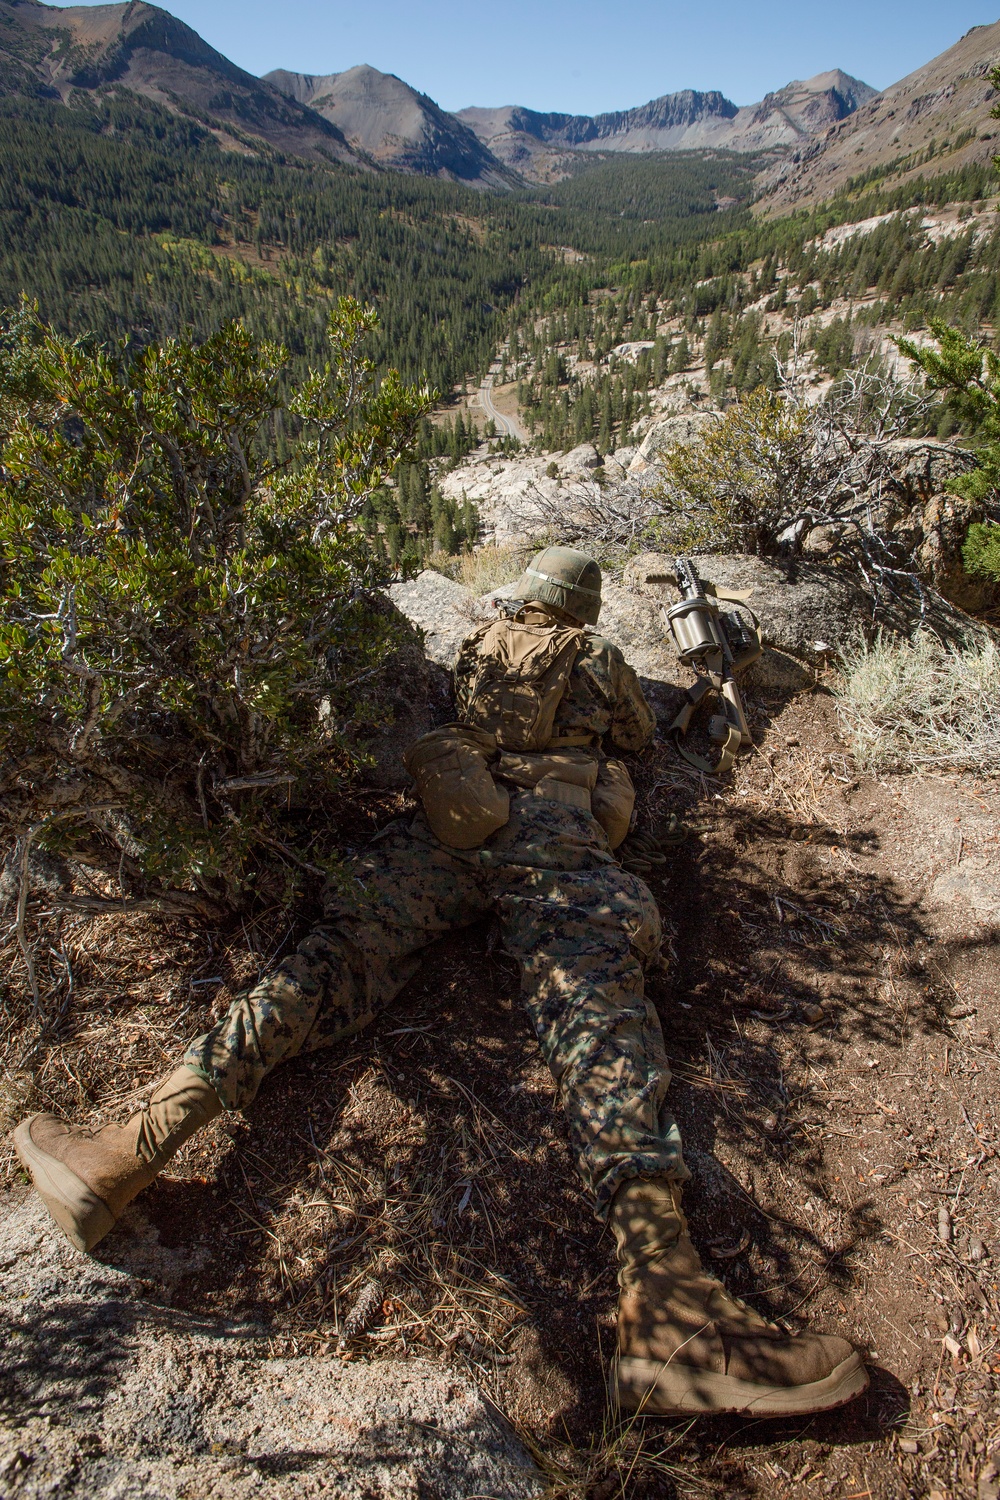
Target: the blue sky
(586, 55)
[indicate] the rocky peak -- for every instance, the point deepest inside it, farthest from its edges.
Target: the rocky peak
(54, 51)
(685, 120)
(947, 101)
(393, 124)
(817, 103)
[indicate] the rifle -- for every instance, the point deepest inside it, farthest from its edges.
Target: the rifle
(716, 643)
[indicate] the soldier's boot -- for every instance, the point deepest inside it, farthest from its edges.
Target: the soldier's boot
(685, 1345)
(86, 1177)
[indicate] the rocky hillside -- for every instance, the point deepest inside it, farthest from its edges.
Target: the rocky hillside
(386, 119)
(50, 52)
(932, 121)
(687, 120)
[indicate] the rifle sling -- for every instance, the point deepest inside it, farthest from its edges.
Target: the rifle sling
(680, 726)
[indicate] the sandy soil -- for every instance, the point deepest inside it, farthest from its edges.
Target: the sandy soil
(831, 1012)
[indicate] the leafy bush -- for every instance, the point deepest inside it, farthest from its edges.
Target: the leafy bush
(734, 485)
(190, 629)
(775, 465)
(981, 551)
(917, 703)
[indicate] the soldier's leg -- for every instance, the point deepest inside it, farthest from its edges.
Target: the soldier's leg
(581, 937)
(684, 1345)
(403, 891)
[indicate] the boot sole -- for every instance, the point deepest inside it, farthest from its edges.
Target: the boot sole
(653, 1389)
(81, 1215)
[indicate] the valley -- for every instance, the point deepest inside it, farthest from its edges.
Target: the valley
(667, 329)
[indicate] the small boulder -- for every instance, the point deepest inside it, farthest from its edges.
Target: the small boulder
(668, 433)
(580, 459)
(445, 612)
(929, 523)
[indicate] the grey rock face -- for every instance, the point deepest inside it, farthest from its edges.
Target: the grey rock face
(106, 1395)
(143, 48)
(930, 522)
(683, 121)
(387, 119)
(445, 611)
(581, 459)
(669, 433)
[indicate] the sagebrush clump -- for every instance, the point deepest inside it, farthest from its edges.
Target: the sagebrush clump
(910, 704)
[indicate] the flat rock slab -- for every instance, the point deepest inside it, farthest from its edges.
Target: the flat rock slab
(445, 611)
(109, 1396)
(632, 618)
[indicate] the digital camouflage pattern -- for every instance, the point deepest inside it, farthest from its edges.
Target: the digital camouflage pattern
(580, 927)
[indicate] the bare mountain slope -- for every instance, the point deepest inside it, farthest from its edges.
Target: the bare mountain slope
(535, 143)
(52, 52)
(384, 117)
(943, 108)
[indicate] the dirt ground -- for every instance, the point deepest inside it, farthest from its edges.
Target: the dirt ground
(830, 1006)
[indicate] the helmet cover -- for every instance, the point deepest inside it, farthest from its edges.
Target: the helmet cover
(566, 578)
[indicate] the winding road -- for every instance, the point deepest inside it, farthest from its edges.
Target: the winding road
(506, 426)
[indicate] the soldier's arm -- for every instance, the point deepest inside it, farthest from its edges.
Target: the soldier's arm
(633, 721)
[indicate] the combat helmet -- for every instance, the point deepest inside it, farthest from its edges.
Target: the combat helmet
(564, 577)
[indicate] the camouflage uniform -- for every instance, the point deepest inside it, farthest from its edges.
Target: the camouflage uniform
(579, 926)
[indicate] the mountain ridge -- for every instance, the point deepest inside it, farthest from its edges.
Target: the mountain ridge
(826, 131)
(52, 52)
(939, 113)
(394, 124)
(686, 120)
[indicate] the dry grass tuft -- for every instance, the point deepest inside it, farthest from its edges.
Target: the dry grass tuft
(489, 567)
(909, 704)
(625, 1457)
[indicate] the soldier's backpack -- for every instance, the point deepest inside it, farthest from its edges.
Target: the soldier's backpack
(517, 681)
(507, 702)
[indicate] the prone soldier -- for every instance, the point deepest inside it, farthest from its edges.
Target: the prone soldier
(522, 809)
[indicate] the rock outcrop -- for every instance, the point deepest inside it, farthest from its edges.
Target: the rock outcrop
(515, 497)
(948, 100)
(109, 1394)
(56, 51)
(668, 433)
(931, 522)
(444, 611)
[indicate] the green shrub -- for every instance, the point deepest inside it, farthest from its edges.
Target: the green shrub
(981, 550)
(190, 630)
(969, 373)
(738, 483)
